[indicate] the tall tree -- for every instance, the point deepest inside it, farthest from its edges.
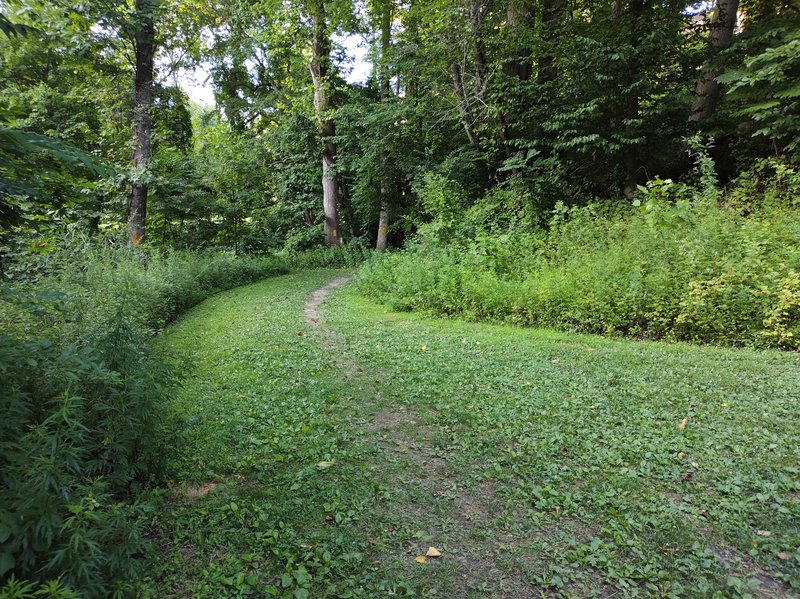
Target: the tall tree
(144, 48)
(386, 9)
(320, 67)
(722, 22)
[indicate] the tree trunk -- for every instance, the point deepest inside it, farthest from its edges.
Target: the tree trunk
(706, 95)
(144, 44)
(463, 104)
(383, 76)
(551, 16)
(320, 70)
(630, 163)
(517, 63)
(383, 227)
(347, 208)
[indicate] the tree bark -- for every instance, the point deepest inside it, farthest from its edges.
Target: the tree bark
(347, 208)
(383, 76)
(706, 95)
(517, 63)
(320, 72)
(144, 44)
(551, 16)
(630, 163)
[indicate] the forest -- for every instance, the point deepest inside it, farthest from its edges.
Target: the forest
(399, 298)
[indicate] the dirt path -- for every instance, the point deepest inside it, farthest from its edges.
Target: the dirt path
(425, 484)
(312, 313)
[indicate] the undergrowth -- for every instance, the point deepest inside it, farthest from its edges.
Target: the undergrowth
(685, 262)
(84, 385)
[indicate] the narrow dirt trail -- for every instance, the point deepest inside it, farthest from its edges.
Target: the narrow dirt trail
(401, 434)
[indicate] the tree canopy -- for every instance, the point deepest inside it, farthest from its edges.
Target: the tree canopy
(558, 101)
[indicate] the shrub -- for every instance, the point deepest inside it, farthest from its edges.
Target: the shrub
(84, 389)
(340, 256)
(676, 265)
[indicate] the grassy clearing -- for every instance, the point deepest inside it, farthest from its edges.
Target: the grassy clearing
(539, 463)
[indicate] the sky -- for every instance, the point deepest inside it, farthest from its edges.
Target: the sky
(197, 85)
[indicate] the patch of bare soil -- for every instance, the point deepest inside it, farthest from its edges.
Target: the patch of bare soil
(193, 492)
(743, 565)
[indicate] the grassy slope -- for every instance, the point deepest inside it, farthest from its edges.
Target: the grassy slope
(536, 461)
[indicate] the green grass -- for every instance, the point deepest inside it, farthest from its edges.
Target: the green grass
(537, 462)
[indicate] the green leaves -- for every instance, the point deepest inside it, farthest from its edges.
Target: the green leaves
(765, 89)
(20, 143)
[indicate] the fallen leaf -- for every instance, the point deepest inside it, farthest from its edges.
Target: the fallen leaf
(763, 533)
(423, 346)
(325, 465)
(299, 333)
(724, 404)
(421, 559)
(682, 424)
(682, 455)
(433, 552)
(783, 555)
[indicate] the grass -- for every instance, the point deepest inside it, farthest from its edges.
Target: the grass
(321, 461)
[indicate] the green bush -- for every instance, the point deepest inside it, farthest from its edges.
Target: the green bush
(676, 265)
(84, 384)
(341, 256)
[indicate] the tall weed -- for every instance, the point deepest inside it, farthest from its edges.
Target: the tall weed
(682, 263)
(85, 384)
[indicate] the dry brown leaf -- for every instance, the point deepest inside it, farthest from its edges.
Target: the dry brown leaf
(783, 555)
(433, 552)
(682, 424)
(763, 533)
(420, 559)
(682, 455)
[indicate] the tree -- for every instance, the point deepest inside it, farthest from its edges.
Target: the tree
(721, 23)
(144, 49)
(386, 10)
(320, 68)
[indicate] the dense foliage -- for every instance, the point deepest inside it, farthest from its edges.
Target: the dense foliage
(687, 263)
(555, 101)
(85, 384)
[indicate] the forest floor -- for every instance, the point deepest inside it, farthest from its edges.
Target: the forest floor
(324, 444)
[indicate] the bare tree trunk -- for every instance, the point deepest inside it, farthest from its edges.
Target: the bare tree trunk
(706, 95)
(383, 227)
(383, 76)
(320, 70)
(144, 43)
